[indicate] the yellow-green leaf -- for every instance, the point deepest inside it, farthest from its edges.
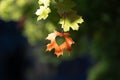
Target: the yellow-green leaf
(71, 20)
(44, 2)
(43, 12)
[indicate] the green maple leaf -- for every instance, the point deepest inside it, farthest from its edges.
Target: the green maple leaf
(62, 6)
(43, 12)
(71, 21)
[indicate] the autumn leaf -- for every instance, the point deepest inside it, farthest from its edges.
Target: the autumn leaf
(59, 48)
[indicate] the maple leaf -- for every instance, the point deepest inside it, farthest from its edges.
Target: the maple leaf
(59, 48)
(42, 12)
(71, 20)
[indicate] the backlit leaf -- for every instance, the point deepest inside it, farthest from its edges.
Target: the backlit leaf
(44, 2)
(71, 20)
(59, 48)
(42, 12)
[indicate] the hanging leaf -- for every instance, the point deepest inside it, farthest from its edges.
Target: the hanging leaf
(59, 48)
(43, 12)
(71, 20)
(44, 2)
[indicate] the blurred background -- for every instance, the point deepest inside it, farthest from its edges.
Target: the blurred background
(95, 56)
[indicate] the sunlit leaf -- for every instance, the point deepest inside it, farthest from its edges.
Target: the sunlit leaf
(71, 20)
(42, 12)
(44, 2)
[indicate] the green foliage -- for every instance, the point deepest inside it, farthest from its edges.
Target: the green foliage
(98, 36)
(99, 71)
(15, 9)
(69, 16)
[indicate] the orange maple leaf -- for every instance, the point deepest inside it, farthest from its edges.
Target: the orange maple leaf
(59, 48)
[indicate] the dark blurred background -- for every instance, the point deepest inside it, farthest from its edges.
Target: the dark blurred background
(13, 46)
(95, 56)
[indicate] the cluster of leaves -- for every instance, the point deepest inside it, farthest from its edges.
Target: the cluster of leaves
(99, 34)
(68, 19)
(44, 9)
